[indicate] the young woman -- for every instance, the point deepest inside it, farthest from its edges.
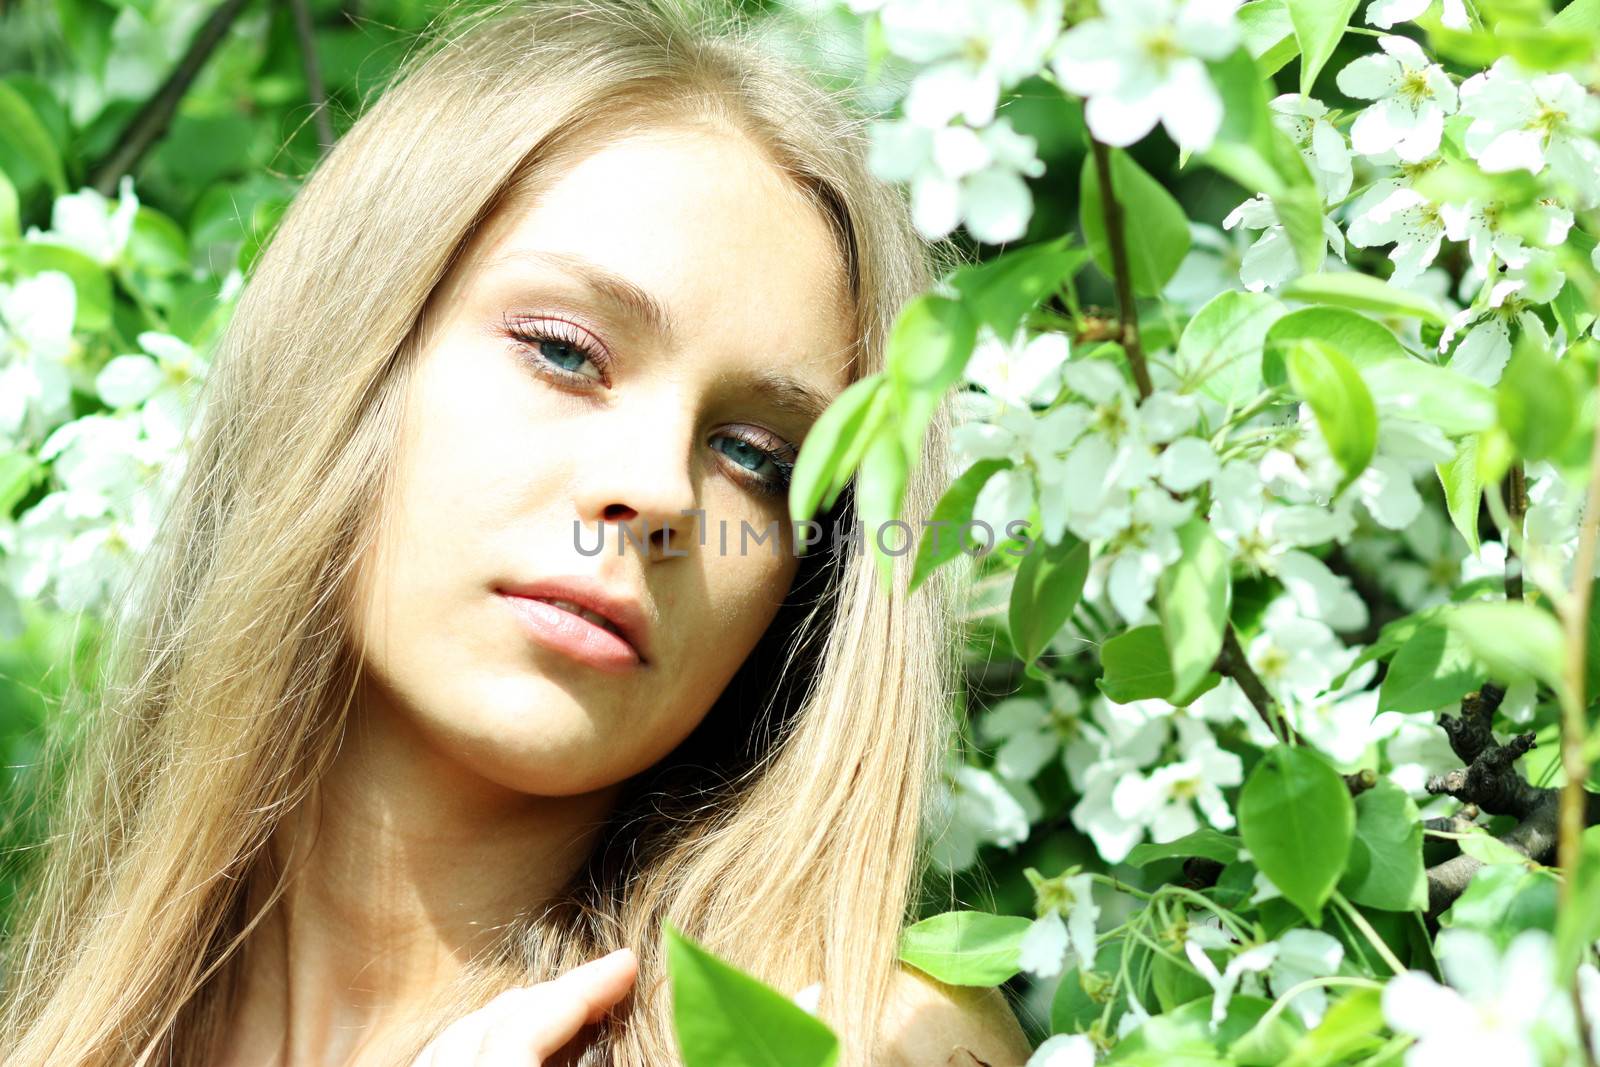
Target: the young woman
(390, 755)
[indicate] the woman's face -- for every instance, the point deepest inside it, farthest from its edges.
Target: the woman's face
(550, 408)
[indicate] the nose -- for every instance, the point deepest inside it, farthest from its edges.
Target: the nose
(638, 490)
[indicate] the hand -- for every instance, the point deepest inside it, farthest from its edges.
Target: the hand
(523, 1027)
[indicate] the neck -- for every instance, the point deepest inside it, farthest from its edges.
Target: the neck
(410, 866)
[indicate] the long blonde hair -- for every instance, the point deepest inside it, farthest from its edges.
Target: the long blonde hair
(792, 849)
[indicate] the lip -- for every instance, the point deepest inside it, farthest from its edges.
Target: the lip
(561, 629)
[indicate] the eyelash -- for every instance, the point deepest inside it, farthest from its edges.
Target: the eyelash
(529, 336)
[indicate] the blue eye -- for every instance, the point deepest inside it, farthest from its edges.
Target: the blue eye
(558, 346)
(754, 458)
(559, 349)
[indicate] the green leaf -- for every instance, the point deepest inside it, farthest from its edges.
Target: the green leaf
(1136, 668)
(1484, 847)
(1268, 34)
(1462, 491)
(1350, 1027)
(1155, 229)
(1362, 292)
(723, 1016)
(821, 461)
(1297, 820)
(1582, 16)
(1250, 149)
(1072, 1009)
(1204, 842)
(1318, 25)
(1193, 596)
(1512, 638)
(1176, 984)
(968, 948)
(1220, 350)
(1431, 670)
(1186, 1038)
(1362, 341)
(880, 486)
(1001, 291)
(940, 544)
(157, 243)
(1346, 415)
(1438, 395)
(10, 211)
(1502, 900)
(1044, 593)
(928, 348)
(1385, 868)
(1538, 402)
(23, 133)
(1300, 211)
(18, 472)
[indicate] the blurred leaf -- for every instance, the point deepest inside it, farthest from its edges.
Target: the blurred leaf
(723, 1016)
(1193, 596)
(1362, 292)
(1346, 414)
(1318, 26)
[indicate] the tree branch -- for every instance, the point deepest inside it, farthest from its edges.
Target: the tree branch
(1231, 663)
(315, 92)
(156, 115)
(1122, 276)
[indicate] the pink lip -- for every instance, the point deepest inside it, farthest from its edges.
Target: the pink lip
(560, 630)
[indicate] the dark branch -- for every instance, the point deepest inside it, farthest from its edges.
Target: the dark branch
(313, 70)
(155, 116)
(1122, 276)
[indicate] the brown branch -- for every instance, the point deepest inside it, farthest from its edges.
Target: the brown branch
(1491, 782)
(315, 91)
(155, 116)
(1231, 663)
(1516, 486)
(1122, 276)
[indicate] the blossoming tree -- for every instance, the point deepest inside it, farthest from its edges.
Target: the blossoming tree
(1284, 682)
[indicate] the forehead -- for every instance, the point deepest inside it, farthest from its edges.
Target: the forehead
(698, 217)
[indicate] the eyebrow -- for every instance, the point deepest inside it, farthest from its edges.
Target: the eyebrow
(782, 391)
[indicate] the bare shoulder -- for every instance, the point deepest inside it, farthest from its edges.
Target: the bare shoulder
(930, 1024)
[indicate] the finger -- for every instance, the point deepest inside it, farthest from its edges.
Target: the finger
(555, 1011)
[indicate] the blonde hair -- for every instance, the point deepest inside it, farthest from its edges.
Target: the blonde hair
(793, 851)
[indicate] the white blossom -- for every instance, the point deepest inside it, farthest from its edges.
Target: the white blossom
(969, 50)
(1410, 95)
(1142, 62)
(1385, 13)
(1522, 121)
(1063, 1050)
(87, 221)
(36, 347)
(1271, 260)
(959, 175)
(1305, 120)
(1065, 927)
(1495, 1008)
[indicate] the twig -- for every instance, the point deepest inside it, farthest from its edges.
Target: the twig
(1122, 277)
(1231, 663)
(154, 117)
(318, 96)
(1517, 508)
